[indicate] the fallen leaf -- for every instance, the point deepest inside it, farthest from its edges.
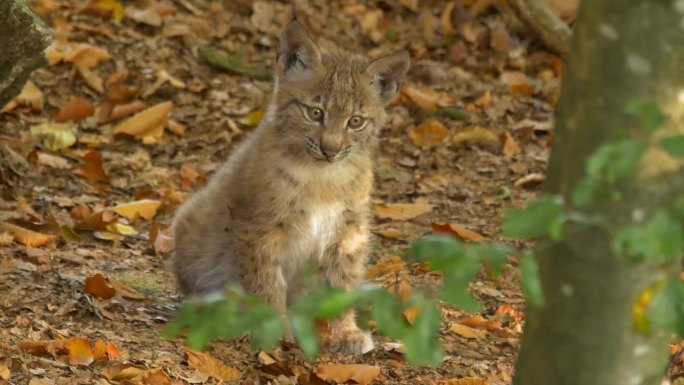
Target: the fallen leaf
(6, 238)
(175, 127)
(340, 374)
(118, 372)
(121, 229)
(155, 377)
(253, 118)
(510, 147)
(75, 110)
(467, 331)
(402, 211)
(505, 309)
(518, 82)
(428, 134)
(125, 291)
(445, 19)
(99, 286)
(54, 161)
(123, 110)
(99, 350)
(500, 39)
(427, 98)
(147, 125)
(484, 101)
(27, 237)
(4, 371)
(146, 209)
(112, 351)
(97, 221)
(41, 381)
(458, 231)
(386, 265)
(30, 96)
(145, 16)
(38, 348)
(529, 180)
(91, 167)
(404, 293)
(54, 136)
(478, 136)
(204, 362)
(477, 321)
(109, 8)
(389, 233)
(28, 209)
(79, 352)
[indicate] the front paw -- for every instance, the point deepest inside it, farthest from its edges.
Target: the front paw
(351, 342)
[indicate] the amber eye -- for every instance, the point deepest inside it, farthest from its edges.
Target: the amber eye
(356, 122)
(314, 114)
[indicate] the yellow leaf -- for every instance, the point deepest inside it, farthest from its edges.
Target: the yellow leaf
(402, 211)
(253, 118)
(476, 135)
(147, 123)
(146, 208)
(54, 136)
(120, 228)
(467, 331)
(340, 374)
(30, 96)
(510, 147)
(205, 363)
(116, 8)
(428, 134)
(27, 237)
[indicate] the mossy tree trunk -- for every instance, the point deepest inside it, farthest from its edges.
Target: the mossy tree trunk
(585, 333)
(23, 38)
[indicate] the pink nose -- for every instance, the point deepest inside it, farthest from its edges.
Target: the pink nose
(329, 151)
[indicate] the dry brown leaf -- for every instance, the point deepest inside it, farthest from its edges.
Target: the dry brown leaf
(4, 371)
(402, 211)
(404, 293)
(529, 180)
(428, 134)
(123, 110)
(518, 82)
(99, 286)
(155, 377)
(41, 381)
(458, 231)
(445, 19)
(125, 291)
(477, 321)
(97, 221)
(386, 265)
(500, 39)
(340, 374)
(467, 331)
(54, 161)
(75, 110)
(204, 362)
(476, 135)
(38, 348)
(147, 125)
(6, 238)
(484, 101)
(79, 352)
(28, 209)
(510, 146)
(30, 96)
(91, 168)
(27, 237)
(145, 208)
(389, 233)
(465, 381)
(426, 98)
(118, 372)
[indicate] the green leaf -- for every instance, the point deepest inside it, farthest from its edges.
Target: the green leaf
(335, 303)
(535, 219)
(421, 340)
(585, 192)
(232, 64)
(386, 312)
(530, 280)
(455, 284)
(304, 331)
(673, 145)
(647, 113)
(615, 160)
(661, 237)
(667, 307)
(436, 249)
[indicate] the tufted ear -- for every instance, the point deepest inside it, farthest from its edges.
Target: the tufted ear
(387, 73)
(296, 51)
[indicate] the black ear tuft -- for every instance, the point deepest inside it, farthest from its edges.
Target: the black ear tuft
(296, 51)
(387, 73)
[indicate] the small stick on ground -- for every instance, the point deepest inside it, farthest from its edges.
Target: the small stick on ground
(555, 33)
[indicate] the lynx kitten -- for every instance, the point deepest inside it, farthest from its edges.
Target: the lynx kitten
(296, 192)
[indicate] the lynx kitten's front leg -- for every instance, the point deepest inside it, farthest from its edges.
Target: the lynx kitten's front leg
(345, 262)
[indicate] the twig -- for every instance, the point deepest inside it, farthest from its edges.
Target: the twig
(550, 28)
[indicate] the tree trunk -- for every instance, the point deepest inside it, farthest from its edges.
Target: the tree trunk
(584, 334)
(23, 38)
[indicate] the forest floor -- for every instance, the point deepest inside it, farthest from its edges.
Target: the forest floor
(468, 137)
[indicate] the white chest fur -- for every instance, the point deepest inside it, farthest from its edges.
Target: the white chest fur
(318, 232)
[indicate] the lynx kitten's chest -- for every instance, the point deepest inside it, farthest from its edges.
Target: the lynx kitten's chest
(318, 231)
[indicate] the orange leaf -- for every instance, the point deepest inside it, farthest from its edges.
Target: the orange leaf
(477, 321)
(465, 381)
(99, 286)
(205, 363)
(30, 96)
(402, 211)
(387, 265)
(146, 208)
(476, 135)
(339, 373)
(75, 110)
(518, 82)
(99, 350)
(467, 331)
(426, 98)
(97, 221)
(428, 134)
(148, 124)
(112, 352)
(458, 231)
(79, 352)
(505, 309)
(27, 237)
(91, 167)
(404, 293)
(38, 348)
(155, 377)
(510, 147)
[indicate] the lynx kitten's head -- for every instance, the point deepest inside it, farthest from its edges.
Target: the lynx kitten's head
(331, 104)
